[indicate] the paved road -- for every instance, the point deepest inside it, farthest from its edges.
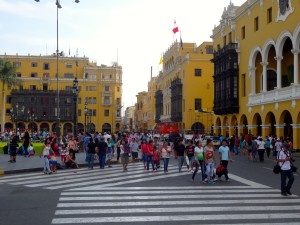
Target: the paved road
(112, 196)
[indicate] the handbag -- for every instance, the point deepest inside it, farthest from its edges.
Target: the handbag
(277, 169)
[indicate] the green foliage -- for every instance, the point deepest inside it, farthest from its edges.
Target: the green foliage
(8, 73)
(37, 147)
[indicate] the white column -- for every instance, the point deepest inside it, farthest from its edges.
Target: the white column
(296, 65)
(264, 64)
(252, 75)
(279, 78)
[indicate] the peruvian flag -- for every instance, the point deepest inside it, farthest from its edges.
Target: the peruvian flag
(175, 29)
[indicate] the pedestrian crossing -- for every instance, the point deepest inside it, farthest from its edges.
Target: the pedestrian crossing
(84, 178)
(189, 205)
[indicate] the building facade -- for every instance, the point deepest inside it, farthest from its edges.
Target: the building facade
(141, 115)
(256, 75)
(184, 91)
(129, 119)
(33, 104)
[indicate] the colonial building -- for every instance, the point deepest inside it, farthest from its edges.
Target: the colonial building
(256, 75)
(129, 119)
(141, 112)
(150, 104)
(184, 91)
(33, 104)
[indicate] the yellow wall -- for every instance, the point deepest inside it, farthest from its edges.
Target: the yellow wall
(84, 67)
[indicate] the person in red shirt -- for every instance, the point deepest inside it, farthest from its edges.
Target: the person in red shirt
(150, 154)
(144, 148)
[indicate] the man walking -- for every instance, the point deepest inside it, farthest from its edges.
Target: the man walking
(102, 148)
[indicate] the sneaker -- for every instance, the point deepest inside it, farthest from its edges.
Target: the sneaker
(283, 193)
(205, 179)
(49, 172)
(211, 182)
(289, 193)
(228, 180)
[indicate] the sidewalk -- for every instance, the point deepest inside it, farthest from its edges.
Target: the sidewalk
(35, 163)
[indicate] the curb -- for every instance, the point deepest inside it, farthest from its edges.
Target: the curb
(40, 169)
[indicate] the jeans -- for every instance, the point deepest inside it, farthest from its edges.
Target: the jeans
(261, 153)
(46, 164)
(236, 150)
(210, 169)
(191, 160)
(102, 158)
(202, 165)
(166, 163)
(86, 149)
(150, 159)
(180, 160)
(91, 160)
(286, 174)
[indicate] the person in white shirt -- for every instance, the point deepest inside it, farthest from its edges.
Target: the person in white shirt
(284, 160)
(261, 149)
(165, 155)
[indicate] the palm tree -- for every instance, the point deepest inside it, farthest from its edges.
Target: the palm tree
(7, 76)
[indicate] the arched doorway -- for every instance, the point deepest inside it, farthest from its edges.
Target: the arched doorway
(270, 119)
(80, 127)
(244, 123)
(217, 130)
(44, 127)
(198, 128)
(21, 126)
(32, 126)
(106, 127)
(8, 126)
(287, 65)
(67, 128)
(91, 127)
(258, 122)
(287, 120)
(234, 124)
(53, 128)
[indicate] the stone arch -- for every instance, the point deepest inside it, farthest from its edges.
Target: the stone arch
(80, 127)
(270, 119)
(281, 41)
(44, 127)
(234, 123)
(253, 56)
(106, 127)
(218, 126)
(67, 128)
(8, 126)
(198, 127)
(258, 122)
(266, 48)
(296, 37)
(244, 122)
(32, 126)
(287, 119)
(21, 126)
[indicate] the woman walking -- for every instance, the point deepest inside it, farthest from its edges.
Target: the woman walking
(165, 155)
(210, 160)
(261, 149)
(91, 154)
(25, 143)
(150, 153)
(199, 160)
(45, 153)
(144, 148)
(124, 155)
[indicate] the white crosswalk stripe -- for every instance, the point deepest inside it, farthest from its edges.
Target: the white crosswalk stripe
(178, 205)
(84, 178)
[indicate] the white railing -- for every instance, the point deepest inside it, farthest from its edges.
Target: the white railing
(278, 95)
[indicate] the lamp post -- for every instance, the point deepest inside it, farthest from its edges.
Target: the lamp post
(32, 118)
(75, 94)
(58, 6)
(85, 114)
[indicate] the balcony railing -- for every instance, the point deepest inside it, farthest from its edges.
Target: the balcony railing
(277, 95)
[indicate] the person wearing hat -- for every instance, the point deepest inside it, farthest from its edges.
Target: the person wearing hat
(284, 158)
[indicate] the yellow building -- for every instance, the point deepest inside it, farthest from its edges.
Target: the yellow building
(185, 88)
(257, 47)
(141, 112)
(150, 104)
(98, 103)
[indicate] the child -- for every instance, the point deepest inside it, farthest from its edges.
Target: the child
(70, 162)
(31, 151)
(63, 153)
(52, 161)
(156, 156)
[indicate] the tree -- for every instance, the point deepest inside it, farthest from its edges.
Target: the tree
(7, 76)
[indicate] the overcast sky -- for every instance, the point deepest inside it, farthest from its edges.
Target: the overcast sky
(139, 30)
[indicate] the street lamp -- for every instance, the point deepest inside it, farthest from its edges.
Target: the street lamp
(75, 94)
(85, 114)
(58, 6)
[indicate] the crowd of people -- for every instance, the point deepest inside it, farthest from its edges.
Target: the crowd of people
(197, 154)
